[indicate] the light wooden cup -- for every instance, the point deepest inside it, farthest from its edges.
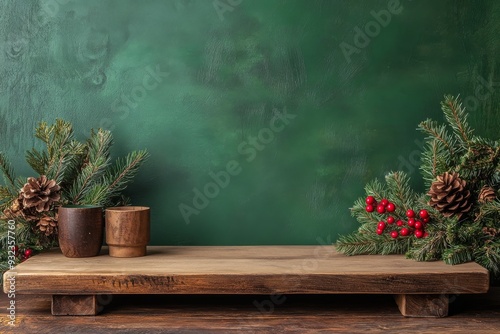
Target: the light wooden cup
(127, 230)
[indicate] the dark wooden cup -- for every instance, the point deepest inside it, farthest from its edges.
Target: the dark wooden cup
(81, 229)
(127, 230)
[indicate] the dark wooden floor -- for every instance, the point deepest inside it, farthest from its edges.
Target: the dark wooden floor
(238, 314)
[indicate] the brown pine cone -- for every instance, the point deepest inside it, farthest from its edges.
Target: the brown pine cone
(491, 231)
(40, 193)
(449, 195)
(486, 194)
(48, 225)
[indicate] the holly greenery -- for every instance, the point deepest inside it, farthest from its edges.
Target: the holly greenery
(462, 210)
(70, 172)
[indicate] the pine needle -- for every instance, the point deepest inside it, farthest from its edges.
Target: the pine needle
(457, 118)
(7, 171)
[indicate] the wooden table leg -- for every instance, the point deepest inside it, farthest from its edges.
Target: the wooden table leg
(423, 305)
(74, 305)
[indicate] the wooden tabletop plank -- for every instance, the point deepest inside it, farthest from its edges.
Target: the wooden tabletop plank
(244, 270)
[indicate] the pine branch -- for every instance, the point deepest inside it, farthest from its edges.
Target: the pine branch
(125, 170)
(6, 197)
(7, 171)
(38, 161)
(480, 161)
(358, 211)
(457, 119)
(398, 185)
(434, 161)
(439, 133)
(457, 254)
(66, 161)
(488, 256)
(488, 209)
(97, 160)
(376, 189)
(116, 179)
(4, 193)
(369, 244)
(62, 150)
(98, 194)
(428, 249)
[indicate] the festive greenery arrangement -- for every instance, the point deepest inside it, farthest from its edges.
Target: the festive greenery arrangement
(70, 172)
(457, 220)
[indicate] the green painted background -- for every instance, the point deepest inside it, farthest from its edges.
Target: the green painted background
(224, 73)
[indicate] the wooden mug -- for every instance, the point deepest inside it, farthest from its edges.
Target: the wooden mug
(81, 229)
(127, 230)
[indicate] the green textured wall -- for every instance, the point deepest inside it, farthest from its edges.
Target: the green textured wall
(205, 85)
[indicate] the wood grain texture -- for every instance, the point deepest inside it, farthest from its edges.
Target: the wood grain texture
(422, 305)
(74, 305)
(245, 270)
(81, 230)
(311, 314)
(127, 230)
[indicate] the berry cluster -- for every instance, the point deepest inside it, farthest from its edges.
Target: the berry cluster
(23, 254)
(398, 227)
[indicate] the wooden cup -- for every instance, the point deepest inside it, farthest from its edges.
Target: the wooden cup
(127, 230)
(81, 229)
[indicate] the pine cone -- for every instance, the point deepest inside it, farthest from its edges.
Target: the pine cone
(48, 225)
(486, 194)
(14, 210)
(491, 231)
(40, 193)
(449, 195)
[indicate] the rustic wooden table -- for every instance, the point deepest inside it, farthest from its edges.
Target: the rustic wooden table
(420, 288)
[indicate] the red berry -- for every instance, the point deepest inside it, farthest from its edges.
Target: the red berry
(426, 220)
(411, 222)
(405, 231)
(370, 200)
(426, 234)
(399, 223)
(379, 231)
(423, 214)
(390, 220)
(369, 208)
(391, 207)
(380, 209)
(419, 234)
(27, 253)
(384, 202)
(418, 225)
(381, 226)
(394, 234)
(15, 249)
(410, 213)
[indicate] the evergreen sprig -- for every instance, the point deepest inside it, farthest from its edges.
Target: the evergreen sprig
(457, 118)
(449, 147)
(83, 170)
(7, 170)
(116, 179)
(94, 164)
(371, 244)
